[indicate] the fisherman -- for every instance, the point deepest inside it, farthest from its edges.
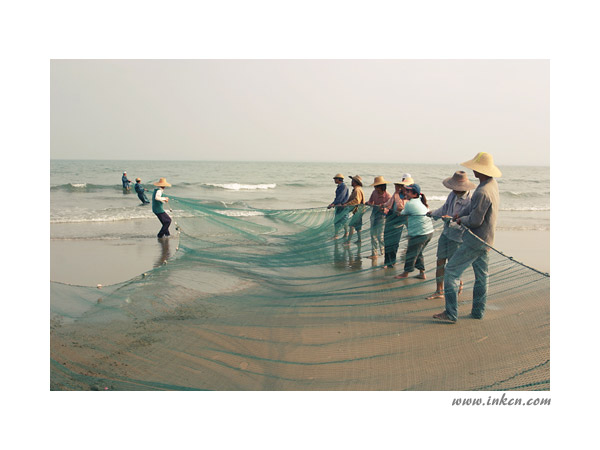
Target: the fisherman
(125, 181)
(141, 191)
(394, 222)
(356, 199)
(341, 214)
(480, 224)
(378, 197)
(420, 231)
(158, 202)
(457, 202)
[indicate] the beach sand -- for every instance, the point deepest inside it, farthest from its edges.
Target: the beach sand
(191, 340)
(529, 247)
(107, 254)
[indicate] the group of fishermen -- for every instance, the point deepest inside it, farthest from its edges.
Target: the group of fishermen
(469, 228)
(158, 200)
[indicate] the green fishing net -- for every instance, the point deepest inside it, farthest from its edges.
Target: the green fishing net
(267, 300)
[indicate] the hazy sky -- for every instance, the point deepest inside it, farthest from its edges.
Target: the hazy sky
(401, 111)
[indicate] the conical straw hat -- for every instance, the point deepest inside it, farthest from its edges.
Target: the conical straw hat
(161, 182)
(379, 180)
(406, 181)
(483, 163)
(459, 182)
(358, 179)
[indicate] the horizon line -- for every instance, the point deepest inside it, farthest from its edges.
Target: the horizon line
(280, 161)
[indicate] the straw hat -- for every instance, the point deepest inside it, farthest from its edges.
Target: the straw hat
(339, 175)
(358, 179)
(138, 179)
(483, 163)
(406, 181)
(379, 180)
(161, 182)
(459, 182)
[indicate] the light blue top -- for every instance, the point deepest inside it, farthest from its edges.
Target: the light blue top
(418, 223)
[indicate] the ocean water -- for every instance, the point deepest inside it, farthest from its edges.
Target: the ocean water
(85, 191)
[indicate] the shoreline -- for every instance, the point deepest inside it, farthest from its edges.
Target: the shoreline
(131, 249)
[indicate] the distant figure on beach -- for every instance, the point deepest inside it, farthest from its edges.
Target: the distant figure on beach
(480, 223)
(125, 181)
(456, 204)
(140, 191)
(394, 222)
(356, 199)
(342, 193)
(158, 202)
(420, 231)
(379, 196)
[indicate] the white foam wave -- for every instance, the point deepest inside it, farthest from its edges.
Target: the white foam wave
(242, 187)
(78, 185)
(231, 213)
(527, 208)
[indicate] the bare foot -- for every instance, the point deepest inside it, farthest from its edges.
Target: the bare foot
(372, 257)
(402, 275)
(421, 276)
(436, 294)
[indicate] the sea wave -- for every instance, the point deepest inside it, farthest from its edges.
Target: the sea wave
(112, 216)
(233, 213)
(240, 187)
(513, 194)
(525, 208)
(85, 187)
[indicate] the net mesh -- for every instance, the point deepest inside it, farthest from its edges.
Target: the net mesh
(267, 300)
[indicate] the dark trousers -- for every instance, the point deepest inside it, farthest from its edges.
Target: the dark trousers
(166, 221)
(414, 252)
(142, 197)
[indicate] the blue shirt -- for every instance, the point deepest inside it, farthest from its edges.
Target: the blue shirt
(418, 223)
(125, 181)
(342, 193)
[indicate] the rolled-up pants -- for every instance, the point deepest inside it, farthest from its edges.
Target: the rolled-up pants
(464, 257)
(166, 221)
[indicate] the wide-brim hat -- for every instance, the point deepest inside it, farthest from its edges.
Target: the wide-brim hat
(406, 181)
(483, 163)
(357, 178)
(459, 182)
(339, 175)
(379, 180)
(162, 182)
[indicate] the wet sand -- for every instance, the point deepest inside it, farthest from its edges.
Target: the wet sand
(114, 259)
(101, 253)
(187, 338)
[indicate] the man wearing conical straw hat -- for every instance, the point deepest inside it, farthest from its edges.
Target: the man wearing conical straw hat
(158, 202)
(479, 222)
(457, 202)
(341, 214)
(356, 200)
(379, 196)
(394, 221)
